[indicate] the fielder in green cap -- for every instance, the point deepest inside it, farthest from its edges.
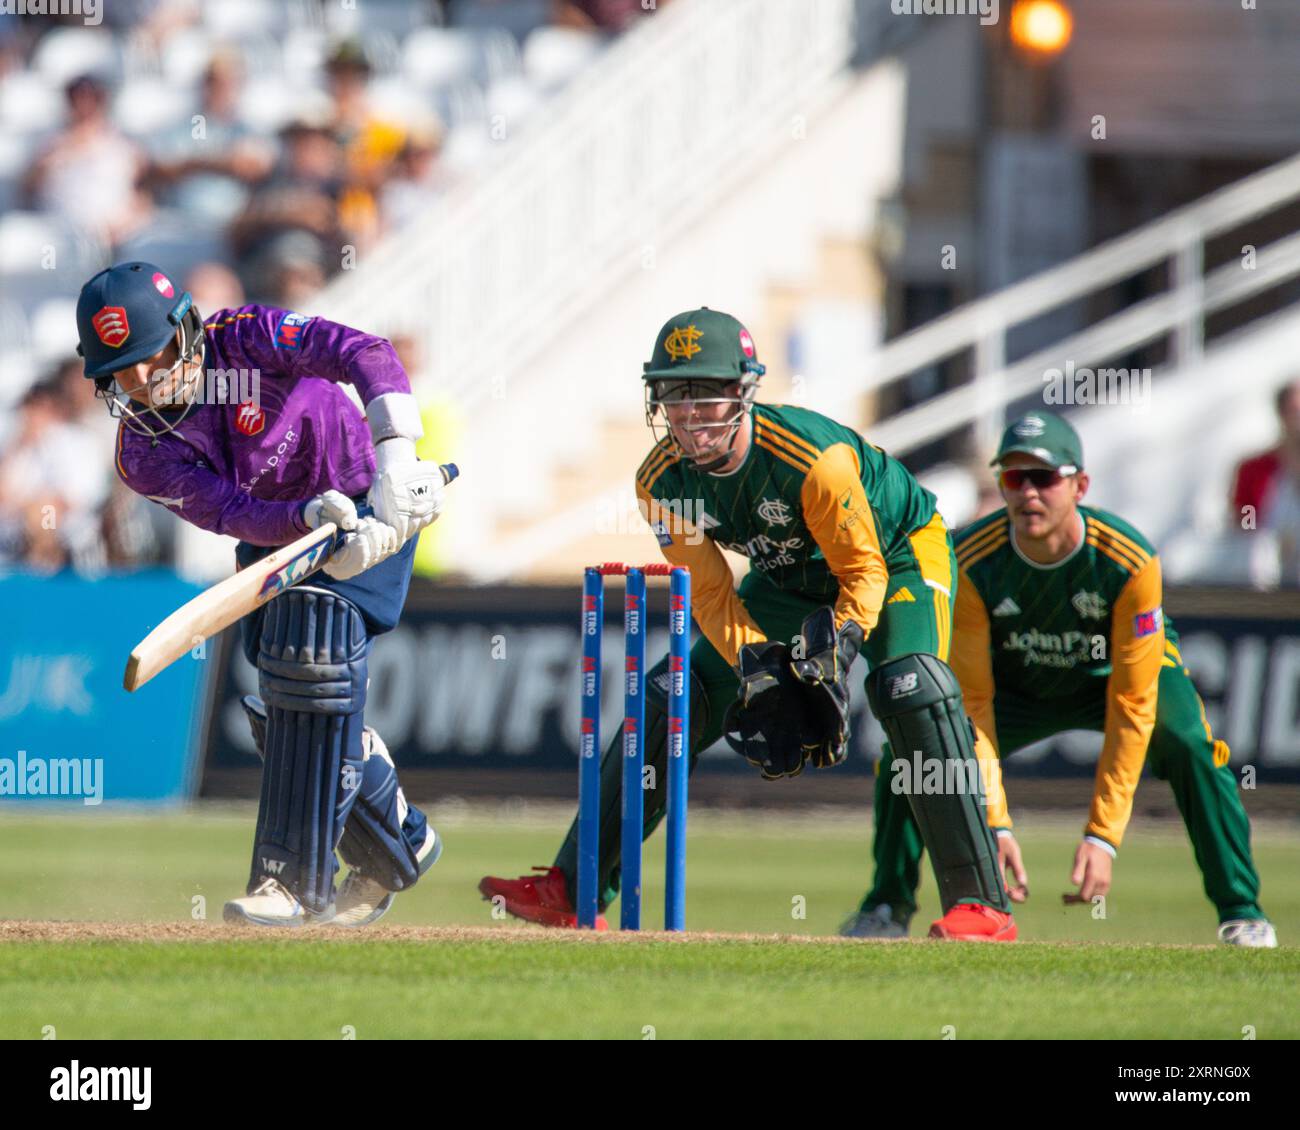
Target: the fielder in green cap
(1059, 626)
(847, 554)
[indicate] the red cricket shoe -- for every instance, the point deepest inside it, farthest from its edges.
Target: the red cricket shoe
(974, 922)
(537, 898)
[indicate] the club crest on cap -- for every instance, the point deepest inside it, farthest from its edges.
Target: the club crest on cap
(1031, 426)
(681, 343)
(111, 326)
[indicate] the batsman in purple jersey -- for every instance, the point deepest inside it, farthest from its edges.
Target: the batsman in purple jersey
(240, 425)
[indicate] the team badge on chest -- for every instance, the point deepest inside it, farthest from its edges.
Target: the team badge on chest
(774, 512)
(249, 419)
(1090, 605)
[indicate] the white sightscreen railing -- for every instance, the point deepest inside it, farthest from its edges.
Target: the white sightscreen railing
(643, 142)
(1177, 314)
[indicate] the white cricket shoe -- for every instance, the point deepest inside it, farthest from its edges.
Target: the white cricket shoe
(1256, 933)
(362, 901)
(271, 904)
(878, 922)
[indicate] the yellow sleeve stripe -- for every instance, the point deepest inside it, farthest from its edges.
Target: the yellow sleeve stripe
(1114, 553)
(973, 542)
(118, 454)
(1169, 647)
(1122, 541)
(226, 321)
(985, 550)
(792, 440)
(769, 443)
(655, 463)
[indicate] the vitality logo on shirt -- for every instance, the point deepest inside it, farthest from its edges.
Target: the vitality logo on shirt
(1148, 623)
(288, 334)
(249, 419)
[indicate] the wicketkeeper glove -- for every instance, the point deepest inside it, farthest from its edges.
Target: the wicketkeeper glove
(767, 723)
(823, 674)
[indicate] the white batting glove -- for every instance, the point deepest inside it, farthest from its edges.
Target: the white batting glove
(406, 493)
(332, 506)
(370, 543)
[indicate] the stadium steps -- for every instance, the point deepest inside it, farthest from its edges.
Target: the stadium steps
(612, 529)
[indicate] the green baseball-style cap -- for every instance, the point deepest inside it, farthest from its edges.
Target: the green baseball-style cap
(1045, 436)
(703, 343)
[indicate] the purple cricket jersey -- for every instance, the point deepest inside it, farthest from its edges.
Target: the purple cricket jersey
(246, 470)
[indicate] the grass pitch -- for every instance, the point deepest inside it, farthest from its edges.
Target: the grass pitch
(161, 964)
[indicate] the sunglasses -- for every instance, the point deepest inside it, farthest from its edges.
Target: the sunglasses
(1015, 478)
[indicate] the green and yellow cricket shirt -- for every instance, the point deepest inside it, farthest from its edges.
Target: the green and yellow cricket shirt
(1087, 627)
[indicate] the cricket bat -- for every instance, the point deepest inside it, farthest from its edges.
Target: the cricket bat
(235, 597)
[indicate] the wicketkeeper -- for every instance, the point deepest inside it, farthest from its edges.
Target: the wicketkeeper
(847, 554)
(1059, 626)
(267, 469)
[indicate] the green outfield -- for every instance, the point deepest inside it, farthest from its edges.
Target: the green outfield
(452, 970)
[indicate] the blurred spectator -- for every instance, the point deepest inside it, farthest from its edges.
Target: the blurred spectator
(214, 286)
(205, 170)
(1269, 483)
(416, 183)
(370, 143)
(291, 228)
(89, 174)
(51, 486)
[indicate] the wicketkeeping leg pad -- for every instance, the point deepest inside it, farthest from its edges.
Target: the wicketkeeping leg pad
(917, 700)
(312, 674)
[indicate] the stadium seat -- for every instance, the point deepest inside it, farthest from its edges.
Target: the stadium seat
(176, 240)
(395, 17)
(519, 18)
(67, 52)
(514, 99)
(270, 102)
(53, 329)
(439, 57)
(145, 106)
(23, 239)
(305, 52)
(30, 103)
(186, 56)
(553, 55)
(393, 97)
(243, 19)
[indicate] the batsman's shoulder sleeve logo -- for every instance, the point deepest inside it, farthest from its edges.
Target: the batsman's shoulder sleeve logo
(288, 334)
(662, 534)
(1148, 623)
